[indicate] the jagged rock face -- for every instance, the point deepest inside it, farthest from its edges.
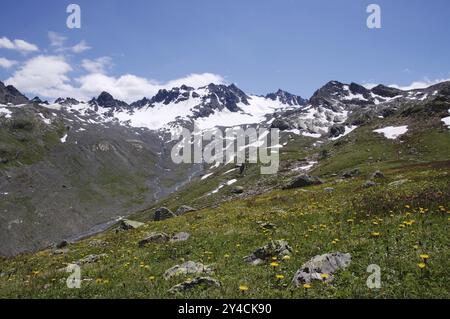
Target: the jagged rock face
(281, 124)
(386, 91)
(166, 97)
(106, 100)
(337, 96)
(38, 100)
(220, 97)
(9, 94)
(67, 101)
(287, 98)
(337, 130)
(141, 103)
(206, 100)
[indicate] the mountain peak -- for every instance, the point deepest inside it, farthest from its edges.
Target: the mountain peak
(9, 94)
(38, 100)
(67, 101)
(106, 100)
(386, 91)
(286, 98)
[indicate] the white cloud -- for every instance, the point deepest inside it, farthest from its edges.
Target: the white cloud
(48, 77)
(56, 40)
(99, 65)
(77, 48)
(18, 45)
(43, 75)
(5, 63)
(426, 82)
(80, 47)
(421, 84)
(130, 88)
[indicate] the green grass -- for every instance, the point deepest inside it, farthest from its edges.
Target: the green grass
(310, 221)
(384, 225)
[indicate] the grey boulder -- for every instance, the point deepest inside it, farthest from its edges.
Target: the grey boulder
(369, 184)
(276, 248)
(204, 282)
(184, 209)
(188, 268)
(377, 175)
(303, 181)
(182, 236)
(126, 224)
(155, 237)
(321, 267)
(352, 173)
(163, 213)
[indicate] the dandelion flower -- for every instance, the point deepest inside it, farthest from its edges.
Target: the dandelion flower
(286, 257)
(279, 277)
(376, 234)
(151, 278)
(243, 288)
(424, 256)
(307, 286)
(274, 264)
(324, 276)
(421, 265)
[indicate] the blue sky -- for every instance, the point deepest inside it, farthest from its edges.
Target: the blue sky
(260, 45)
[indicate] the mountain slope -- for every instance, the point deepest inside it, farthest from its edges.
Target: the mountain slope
(391, 224)
(71, 168)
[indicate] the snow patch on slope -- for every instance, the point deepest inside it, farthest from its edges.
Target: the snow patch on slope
(392, 132)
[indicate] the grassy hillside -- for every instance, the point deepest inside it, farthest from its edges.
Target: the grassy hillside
(393, 224)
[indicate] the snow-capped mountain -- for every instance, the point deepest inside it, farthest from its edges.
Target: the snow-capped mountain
(337, 108)
(206, 107)
(333, 110)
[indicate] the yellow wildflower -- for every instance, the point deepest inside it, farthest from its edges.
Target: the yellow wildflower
(243, 288)
(376, 234)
